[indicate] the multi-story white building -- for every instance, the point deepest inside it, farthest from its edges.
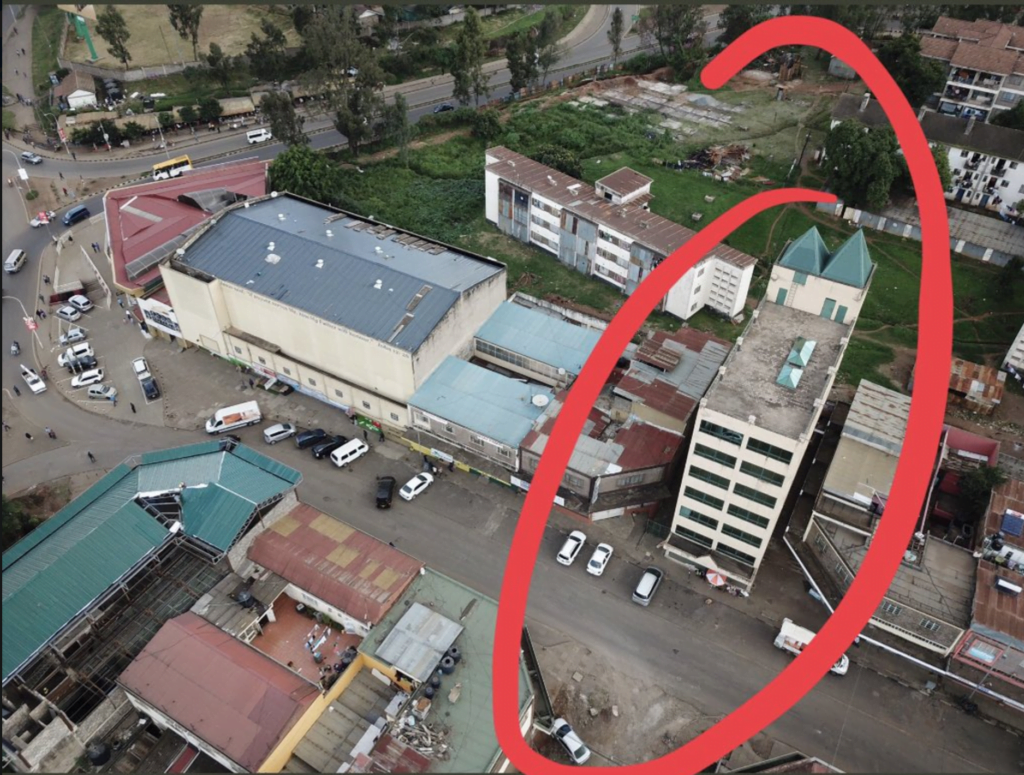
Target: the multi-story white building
(1014, 362)
(607, 231)
(986, 65)
(754, 424)
(987, 161)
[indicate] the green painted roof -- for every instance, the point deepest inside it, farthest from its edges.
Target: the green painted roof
(851, 264)
(807, 253)
(62, 566)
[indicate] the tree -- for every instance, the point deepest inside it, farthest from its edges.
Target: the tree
(1010, 276)
(221, 65)
(549, 50)
(111, 26)
(165, 119)
(615, 33)
(16, 522)
(1012, 118)
(301, 170)
(185, 20)
(917, 77)
(188, 114)
(210, 109)
(864, 164)
(267, 54)
(940, 154)
(976, 488)
(486, 124)
(522, 60)
(559, 158)
(467, 67)
(1007, 14)
(678, 31)
(398, 127)
(285, 123)
(919, 17)
(734, 20)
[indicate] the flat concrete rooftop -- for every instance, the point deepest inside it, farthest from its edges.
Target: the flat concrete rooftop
(749, 386)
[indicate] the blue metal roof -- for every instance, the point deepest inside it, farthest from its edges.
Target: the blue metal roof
(851, 264)
(807, 253)
(481, 401)
(335, 277)
(541, 337)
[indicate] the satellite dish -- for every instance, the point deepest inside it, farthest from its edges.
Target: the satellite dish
(539, 401)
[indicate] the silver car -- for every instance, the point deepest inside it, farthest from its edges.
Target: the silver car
(279, 432)
(90, 377)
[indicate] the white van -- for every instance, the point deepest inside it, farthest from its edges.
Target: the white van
(258, 136)
(348, 452)
(15, 261)
(648, 585)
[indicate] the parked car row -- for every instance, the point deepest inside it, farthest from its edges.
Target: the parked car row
(146, 380)
(573, 546)
(72, 311)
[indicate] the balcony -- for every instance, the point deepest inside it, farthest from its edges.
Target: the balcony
(847, 514)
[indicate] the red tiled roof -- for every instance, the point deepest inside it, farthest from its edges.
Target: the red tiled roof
(141, 218)
(222, 690)
(994, 609)
(660, 395)
(625, 181)
(991, 34)
(991, 60)
(646, 446)
(335, 562)
(938, 48)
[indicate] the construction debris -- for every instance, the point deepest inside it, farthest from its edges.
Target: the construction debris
(455, 693)
(421, 737)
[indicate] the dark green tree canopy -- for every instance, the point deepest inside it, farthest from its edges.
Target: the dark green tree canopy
(917, 77)
(111, 26)
(863, 165)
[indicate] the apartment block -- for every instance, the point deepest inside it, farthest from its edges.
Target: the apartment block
(607, 231)
(758, 417)
(985, 61)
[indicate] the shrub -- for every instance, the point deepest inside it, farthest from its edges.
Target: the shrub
(33, 194)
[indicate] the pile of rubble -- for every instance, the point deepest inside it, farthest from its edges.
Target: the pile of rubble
(715, 156)
(422, 737)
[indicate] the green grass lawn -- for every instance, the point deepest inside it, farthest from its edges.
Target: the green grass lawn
(46, 32)
(9, 122)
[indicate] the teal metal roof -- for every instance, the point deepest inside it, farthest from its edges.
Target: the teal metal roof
(538, 336)
(61, 567)
(790, 376)
(851, 264)
(481, 401)
(800, 354)
(807, 253)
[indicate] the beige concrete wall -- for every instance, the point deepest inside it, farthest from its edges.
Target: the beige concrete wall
(199, 308)
(811, 296)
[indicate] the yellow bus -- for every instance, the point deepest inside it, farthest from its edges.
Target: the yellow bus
(171, 168)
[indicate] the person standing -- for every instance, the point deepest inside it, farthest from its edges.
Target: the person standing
(15, 389)
(366, 436)
(132, 406)
(92, 457)
(28, 435)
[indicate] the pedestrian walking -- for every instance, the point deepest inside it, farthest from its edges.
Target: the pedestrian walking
(28, 435)
(113, 399)
(127, 315)
(42, 298)
(6, 426)
(95, 247)
(382, 436)
(92, 457)
(366, 435)
(132, 406)
(252, 383)
(391, 544)
(64, 190)
(50, 433)
(42, 314)
(120, 302)
(61, 175)
(74, 156)
(451, 466)
(15, 389)
(46, 279)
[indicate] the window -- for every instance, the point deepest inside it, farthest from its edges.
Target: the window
(477, 440)
(819, 541)
(338, 393)
(736, 554)
(714, 454)
(721, 433)
(505, 452)
(1004, 183)
(1013, 165)
(311, 381)
(710, 478)
(697, 517)
(741, 535)
(752, 494)
(287, 371)
(762, 473)
(891, 608)
(697, 289)
(694, 536)
(700, 271)
(573, 481)
(624, 481)
(749, 516)
(261, 359)
(701, 497)
(238, 350)
(929, 625)
(366, 405)
(394, 417)
(775, 453)
(449, 429)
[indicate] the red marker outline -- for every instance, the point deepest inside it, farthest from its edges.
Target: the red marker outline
(935, 338)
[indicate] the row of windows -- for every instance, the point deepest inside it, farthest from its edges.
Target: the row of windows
(612, 240)
(714, 454)
(768, 450)
(546, 208)
(702, 497)
(693, 535)
(505, 355)
(755, 495)
(720, 432)
(748, 516)
(710, 478)
(736, 554)
(741, 535)
(696, 516)
(543, 240)
(720, 481)
(762, 473)
(729, 530)
(895, 610)
(732, 437)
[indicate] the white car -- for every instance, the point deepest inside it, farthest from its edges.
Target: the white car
(107, 392)
(599, 559)
(31, 158)
(566, 735)
(75, 352)
(35, 384)
(80, 302)
(571, 548)
(90, 377)
(415, 486)
(72, 335)
(69, 314)
(279, 432)
(141, 369)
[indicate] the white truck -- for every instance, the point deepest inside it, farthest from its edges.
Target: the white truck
(231, 417)
(794, 639)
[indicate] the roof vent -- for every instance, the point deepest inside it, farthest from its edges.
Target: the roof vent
(320, 263)
(1003, 585)
(551, 180)
(273, 258)
(270, 247)
(378, 285)
(378, 250)
(330, 233)
(752, 419)
(280, 216)
(540, 401)
(273, 195)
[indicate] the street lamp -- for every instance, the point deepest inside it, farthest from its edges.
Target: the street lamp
(60, 135)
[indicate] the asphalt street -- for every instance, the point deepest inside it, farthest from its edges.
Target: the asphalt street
(713, 656)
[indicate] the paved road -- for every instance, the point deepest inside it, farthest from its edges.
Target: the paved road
(715, 657)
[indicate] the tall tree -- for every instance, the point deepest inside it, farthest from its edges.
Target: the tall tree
(734, 20)
(615, 33)
(221, 65)
(1007, 14)
(467, 67)
(1012, 118)
(285, 123)
(863, 164)
(522, 60)
(111, 26)
(398, 127)
(678, 31)
(917, 77)
(549, 49)
(185, 20)
(303, 171)
(210, 109)
(267, 54)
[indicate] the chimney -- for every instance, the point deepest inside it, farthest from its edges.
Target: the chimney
(970, 125)
(864, 102)
(920, 114)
